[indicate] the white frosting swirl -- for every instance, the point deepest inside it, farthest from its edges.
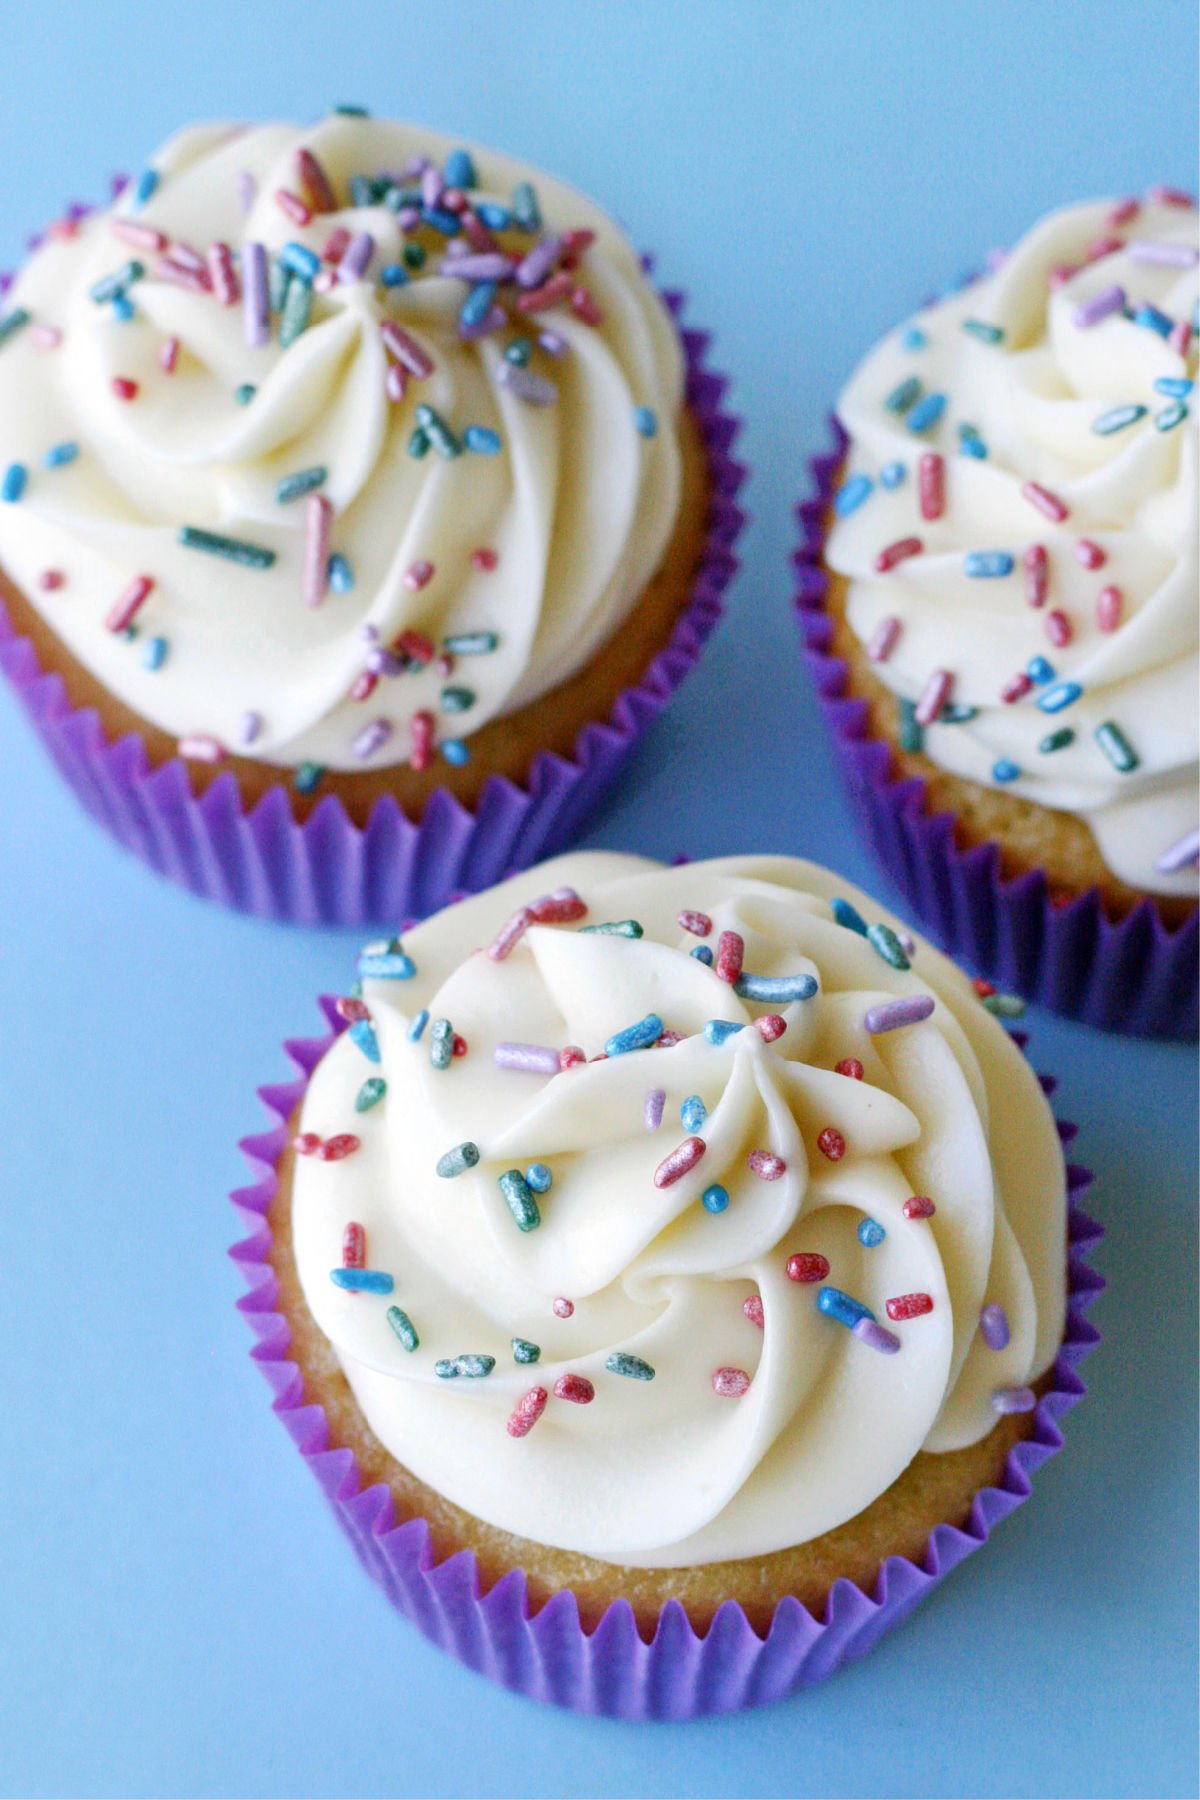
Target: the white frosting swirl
(578, 504)
(1032, 400)
(666, 1472)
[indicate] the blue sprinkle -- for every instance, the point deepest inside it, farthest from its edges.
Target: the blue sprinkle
(777, 990)
(478, 303)
(458, 170)
(926, 412)
(393, 275)
(300, 260)
(417, 1028)
(703, 954)
(1039, 670)
(13, 486)
(154, 653)
(1174, 387)
(719, 1031)
(987, 564)
(693, 1113)
(870, 1234)
(145, 185)
(715, 1198)
(539, 1177)
(447, 223)
(971, 444)
(914, 339)
(851, 496)
(1004, 770)
(647, 1031)
(455, 752)
(482, 440)
(892, 475)
(1062, 694)
(645, 421)
(362, 1281)
(496, 218)
(60, 454)
(849, 916)
(386, 965)
(123, 308)
(362, 1033)
(1170, 416)
(1154, 320)
(842, 1307)
(340, 574)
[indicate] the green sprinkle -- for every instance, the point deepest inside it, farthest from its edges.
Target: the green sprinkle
(296, 310)
(472, 643)
(437, 431)
(471, 1365)
(403, 1327)
(1005, 1006)
(251, 556)
(457, 699)
(351, 112)
(526, 211)
(370, 1093)
(294, 487)
(622, 1363)
(521, 1203)
(625, 928)
(12, 323)
(441, 1043)
(885, 942)
(308, 777)
(987, 334)
(109, 286)
(1117, 747)
(519, 352)
(414, 256)
(910, 733)
(245, 394)
(525, 1352)
(903, 398)
(1057, 740)
(458, 1161)
(418, 444)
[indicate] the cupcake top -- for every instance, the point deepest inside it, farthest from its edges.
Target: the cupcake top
(326, 444)
(1018, 524)
(665, 1214)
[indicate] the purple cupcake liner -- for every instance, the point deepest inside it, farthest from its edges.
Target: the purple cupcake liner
(330, 871)
(1132, 975)
(547, 1654)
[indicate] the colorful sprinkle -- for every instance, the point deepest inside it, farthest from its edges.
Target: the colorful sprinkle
(458, 1161)
(645, 422)
(1056, 740)
(641, 1036)
(362, 1281)
(886, 944)
(1117, 419)
(622, 928)
(876, 1336)
(919, 1206)
(987, 565)
(622, 1363)
(715, 1199)
(891, 1015)
(731, 1384)
(1179, 855)
(904, 397)
(1101, 306)
(524, 1351)
(520, 1200)
(1116, 747)
(807, 1266)
(441, 1043)
(698, 923)
(680, 1162)
(474, 1366)
(752, 1309)
(16, 477)
(1005, 770)
(250, 556)
(1014, 1400)
(526, 1413)
(831, 1143)
(539, 1177)
(766, 1165)
(1061, 695)
(894, 554)
(993, 1326)
(850, 1067)
(370, 1093)
(870, 1234)
(719, 1031)
(851, 495)
(652, 1112)
(842, 1307)
(403, 1327)
(1048, 504)
(926, 413)
(773, 990)
(575, 1387)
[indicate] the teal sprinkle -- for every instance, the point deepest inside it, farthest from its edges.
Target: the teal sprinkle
(1117, 419)
(441, 1043)
(278, 277)
(953, 713)
(363, 191)
(715, 1199)
(520, 1200)
(624, 928)
(457, 699)
(1057, 740)
(250, 556)
(351, 112)
(403, 1327)
(109, 286)
(244, 395)
(987, 334)
(339, 574)
(518, 352)
(1117, 747)
(524, 1351)
(296, 310)
(12, 323)
(370, 1093)
(849, 916)
(622, 1363)
(418, 444)
(886, 944)
(414, 255)
(910, 734)
(1005, 1006)
(437, 431)
(902, 399)
(154, 653)
(459, 170)
(471, 643)
(457, 1161)
(301, 482)
(1170, 416)
(525, 210)
(308, 777)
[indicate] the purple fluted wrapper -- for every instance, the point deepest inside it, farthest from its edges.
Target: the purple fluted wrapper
(1132, 974)
(329, 871)
(547, 1654)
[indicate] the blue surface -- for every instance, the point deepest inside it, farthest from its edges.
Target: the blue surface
(177, 1612)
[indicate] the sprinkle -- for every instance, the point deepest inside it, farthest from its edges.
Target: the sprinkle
(914, 339)
(406, 350)
(12, 323)
(910, 734)
(622, 1363)
(524, 1351)
(250, 556)
(731, 1384)
(920, 1206)
(256, 321)
(987, 564)
(1014, 1400)
(731, 947)
(702, 954)
(831, 1143)
(886, 944)
(114, 284)
(1004, 769)
(296, 310)
(987, 334)
(623, 928)
(441, 1043)
(1159, 195)
(770, 1026)
(698, 923)
(482, 441)
(1174, 387)
(934, 696)
(1047, 503)
(403, 1327)
(890, 1015)
(773, 990)
(903, 398)
(356, 258)
(1058, 628)
(851, 495)
(766, 1165)
(1173, 256)
(1153, 320)
(301, 482)
(575, 1387)
(877, 1336)
(1170, 416)
(647, 1031)
(850, 1067)
(837, 1305)
(1117, 419)
(926, 412)
(1180, 854)
(421, 729)
(1039, 670)
(168, 356)
(1090, 554)
(362, 1281)
(752, 1309)
(971, 444)
(510, 934)
(124, 388)
(393, 275)
(652, 1111)
(46, 337)
(645, 422)
(807, 1266)
(892, 475)
(931, 485)
(473, 1366)
(719, 1031)
(154, 653)
(883, 639)
(1060, 696)
(715, 1198)
(370, 1093)
(1036, 565)
(337, 1149)
(438, 432)
(899, 552)
(535, 390)
(870, 1234)
(680, 1162)
(126, 609)
(848, 916)
(354, 1246)
(562, 907)
(293, 207)
(520, 1200)
(912, 1306)
(417, 1027)
(318, 518)
(244, 394)
(1116, 746)
(339, 574)
(1101, 306)
(458, 1161)
(16, 477)
(692, 1113)
(526, 1413)
(529, 1059)
(1056, 740)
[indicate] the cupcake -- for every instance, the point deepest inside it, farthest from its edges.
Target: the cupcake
(1000, 572)
(666, 1274)
(362, 503)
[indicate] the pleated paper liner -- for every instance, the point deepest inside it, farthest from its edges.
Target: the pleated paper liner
(1131, 975)
(546, 1654)
(329, 871)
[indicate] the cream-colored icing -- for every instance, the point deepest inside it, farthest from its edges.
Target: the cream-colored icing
(666, 1472)
(1033, 399)
(578, 505)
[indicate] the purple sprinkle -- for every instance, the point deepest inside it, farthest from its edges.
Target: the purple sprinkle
(889, 1015)
(871, 1332)
(486, 265)
(531, 1059)
(371, 738)
(553, 343)
(256, 318)
(1014, 1400)
(431, 185)
(408, 218)
(533, 270)
(356, 257)
(1108, 300)
(1179, 855)
(415, 166)
(1168, 256)
(993, 1324)
(656, 1099)
(493, 320)
(368, 632)
(384, 662)
(250, 727)
(527, 386)
(247, 189)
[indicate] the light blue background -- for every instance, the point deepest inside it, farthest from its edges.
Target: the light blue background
(178, 1614)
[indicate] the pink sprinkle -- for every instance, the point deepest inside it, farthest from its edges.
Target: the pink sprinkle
(1110, 603)
(898, 552)
(337, 1149)
(395, 382)
(172, 268)
(562, 1309)
(49, 579)
(680, 1162)
(199, 748)
(571, 1057)
(1037, 574)
(1169, 196)
(549, 294)
(1058, 628)
(1060, 274)
(293, 207)
(698, 923)
(765, 1165)
(46, 337)
(584, 307)
(731, 948)
(335, 245)
(223, 275)
(831, 1144)
(168, 356)
(318, 515)
(562, 907)
(418, 575)
(909, 1306)
(510, 935)
(1122, 212)
(731, 1384)
(668, 1038)
(405, 349)
(883, 639)
(123, 388)
(143, 237)
(306, 1144)
(422, 729)
(526, 1413)
(769, 1027)
(807, 1266)
(1016, 689)
(931, 484)
(130, 603)
(934, 696)
(1180, 337)
(363, 685)
(575, 1387)
(920, 1206)
(484, 560)
(1045, 501)
(354, 1246)
(1105, 246)
(352, 1009)
(574, 244)
(1090, 554)
(753, 1310)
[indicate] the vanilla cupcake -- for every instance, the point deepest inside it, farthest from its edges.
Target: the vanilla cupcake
(684, 1245)
(347, 462)
(1010, 563)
